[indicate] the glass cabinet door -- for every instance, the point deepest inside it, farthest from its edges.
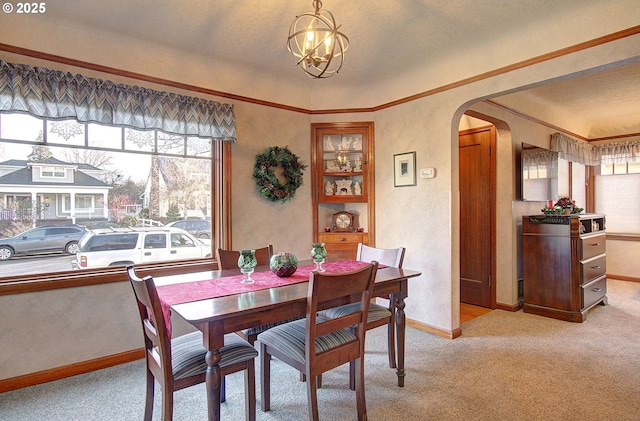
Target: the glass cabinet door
(342, 166)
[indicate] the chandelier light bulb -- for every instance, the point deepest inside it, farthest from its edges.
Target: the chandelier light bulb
(316, 42)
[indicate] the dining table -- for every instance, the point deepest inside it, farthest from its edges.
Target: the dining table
(216, 303)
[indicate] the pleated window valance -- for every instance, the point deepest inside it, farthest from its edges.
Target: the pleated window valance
(58, 95)
(582, 152)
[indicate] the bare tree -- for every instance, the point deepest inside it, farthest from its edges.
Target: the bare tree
(187, 182)
(98, 159)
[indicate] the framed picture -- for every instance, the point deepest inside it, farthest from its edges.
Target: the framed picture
(404, 169)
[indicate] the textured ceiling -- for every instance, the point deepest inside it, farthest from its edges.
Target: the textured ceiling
(603, 104)
(398, 48)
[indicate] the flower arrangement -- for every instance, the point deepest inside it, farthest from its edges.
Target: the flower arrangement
(267, 182)
(564, 205)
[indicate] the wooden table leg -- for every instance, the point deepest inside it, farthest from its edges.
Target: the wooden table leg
(400, 337)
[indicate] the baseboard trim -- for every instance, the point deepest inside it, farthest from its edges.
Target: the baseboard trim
(449, 334)
(509, 307)
(623, 278)
(58, 373)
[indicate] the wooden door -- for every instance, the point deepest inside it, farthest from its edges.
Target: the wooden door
(477, 249)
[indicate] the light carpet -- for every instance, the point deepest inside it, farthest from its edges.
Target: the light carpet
(505, 366)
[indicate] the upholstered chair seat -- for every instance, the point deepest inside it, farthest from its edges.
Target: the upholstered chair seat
(188, 353)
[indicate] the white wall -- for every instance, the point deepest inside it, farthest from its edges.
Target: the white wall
(622, 258)
(42, 330)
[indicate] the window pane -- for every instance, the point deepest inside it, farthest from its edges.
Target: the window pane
(198, 147)
(138, 140)
(104, 136)
(618, 197)
(171, 144)
(84, 202)
(21, 127)
(66, 132)
(606, 169)
(619, 168)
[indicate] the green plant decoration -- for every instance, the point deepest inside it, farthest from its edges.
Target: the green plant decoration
(267, 182)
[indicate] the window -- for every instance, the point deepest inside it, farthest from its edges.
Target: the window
(84, 202)
(52, 172)
(616, 169)
(181, 240)
(134, 165)
(155, 241)
(617, 195)
(37, 233)
(120, 176)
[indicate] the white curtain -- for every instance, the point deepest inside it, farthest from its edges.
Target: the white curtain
(619, 153)
(582, 152)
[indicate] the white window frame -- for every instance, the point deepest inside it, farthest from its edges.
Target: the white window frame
(55, 172)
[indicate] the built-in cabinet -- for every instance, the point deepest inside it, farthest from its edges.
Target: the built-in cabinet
(343, 186)
(564, 265)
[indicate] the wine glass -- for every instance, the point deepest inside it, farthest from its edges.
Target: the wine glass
(318, 253)
(246, 262)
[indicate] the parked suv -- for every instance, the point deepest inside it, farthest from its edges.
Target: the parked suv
(125, 246)
(44, 239)
(201, 228)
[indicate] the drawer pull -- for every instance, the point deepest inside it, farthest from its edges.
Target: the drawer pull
(596, 267)
(343, 239)
(596, 289)
(595, 244)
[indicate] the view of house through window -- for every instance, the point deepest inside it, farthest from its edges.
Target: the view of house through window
(97, 180)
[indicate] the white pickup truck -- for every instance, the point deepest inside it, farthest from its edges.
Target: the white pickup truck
(126, 246)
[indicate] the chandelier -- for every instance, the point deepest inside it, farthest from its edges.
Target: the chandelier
(316, 42)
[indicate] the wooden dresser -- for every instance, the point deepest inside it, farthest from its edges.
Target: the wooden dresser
(564, 265)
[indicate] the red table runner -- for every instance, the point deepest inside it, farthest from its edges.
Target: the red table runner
(213, 288)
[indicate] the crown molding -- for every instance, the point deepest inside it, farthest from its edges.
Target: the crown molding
(193, 88)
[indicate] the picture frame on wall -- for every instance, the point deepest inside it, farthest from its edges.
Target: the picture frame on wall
(404, 169)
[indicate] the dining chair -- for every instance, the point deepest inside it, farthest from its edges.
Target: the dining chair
(379, 315)
(178, 363)
(228, 259)
(314, 345)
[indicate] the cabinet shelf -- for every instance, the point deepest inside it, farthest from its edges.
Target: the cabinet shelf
(343, 199)
(341, 174)
(344, 150)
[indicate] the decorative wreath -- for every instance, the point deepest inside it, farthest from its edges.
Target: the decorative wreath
(266, 180)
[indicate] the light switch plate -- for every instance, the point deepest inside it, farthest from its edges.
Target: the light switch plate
(427, 173)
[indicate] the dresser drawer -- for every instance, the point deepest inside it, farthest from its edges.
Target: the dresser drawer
(594, 292)
(342, 238)
(593, 245)
(342, 245)
(593, 268)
